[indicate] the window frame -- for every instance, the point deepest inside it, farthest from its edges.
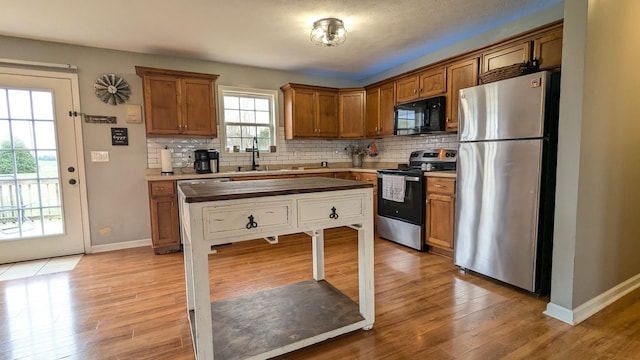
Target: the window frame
(271, 95)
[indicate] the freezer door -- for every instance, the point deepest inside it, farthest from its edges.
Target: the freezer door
(507, 109)
(497, 202)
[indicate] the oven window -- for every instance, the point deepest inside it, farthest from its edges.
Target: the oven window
(411, 210)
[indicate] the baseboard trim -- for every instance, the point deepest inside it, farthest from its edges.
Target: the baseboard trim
(589, 308)
(120, 245)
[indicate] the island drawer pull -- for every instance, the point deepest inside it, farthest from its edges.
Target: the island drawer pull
(251, 224)
(334, 215)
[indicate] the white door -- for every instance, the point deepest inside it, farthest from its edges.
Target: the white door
(41, 183)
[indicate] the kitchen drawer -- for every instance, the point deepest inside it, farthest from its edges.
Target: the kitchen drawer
(231, 221)
(369, 178)
(319, 210)
(441, 185)
(162, 188)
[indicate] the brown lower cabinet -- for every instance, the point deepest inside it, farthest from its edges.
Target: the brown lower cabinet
(165, 227)
(440, 212)
(163, 205)
(373, 179)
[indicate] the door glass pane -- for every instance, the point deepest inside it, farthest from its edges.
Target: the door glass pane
(45, 135)
(30, 197)
(22, 131)
(47, 165)
(4, 107)
(19, 104)
(42, 105)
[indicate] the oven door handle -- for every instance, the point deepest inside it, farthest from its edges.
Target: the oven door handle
(406, 178)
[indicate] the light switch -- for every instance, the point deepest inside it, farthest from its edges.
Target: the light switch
(134, 113)
(99, 156)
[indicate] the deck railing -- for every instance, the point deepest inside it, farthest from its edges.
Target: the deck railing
(36, 198)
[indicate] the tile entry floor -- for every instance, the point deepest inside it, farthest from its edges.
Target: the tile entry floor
(38, 267)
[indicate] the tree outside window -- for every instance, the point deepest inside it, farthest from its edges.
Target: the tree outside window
(24, 160)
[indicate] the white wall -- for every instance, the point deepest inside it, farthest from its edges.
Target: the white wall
(597, 229)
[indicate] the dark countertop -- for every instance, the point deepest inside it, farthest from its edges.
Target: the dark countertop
(215, 191)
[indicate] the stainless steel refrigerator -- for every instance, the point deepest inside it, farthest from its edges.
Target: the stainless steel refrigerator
(505, 186)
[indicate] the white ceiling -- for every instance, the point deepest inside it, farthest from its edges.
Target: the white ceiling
(266, 33)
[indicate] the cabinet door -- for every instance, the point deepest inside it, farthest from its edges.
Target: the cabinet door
(460, 75)
(440, 217)
(386, 110)
(432, 82)
(162, 95)
(327, 113)
(163, 206)
(199, 108)
(304, 113)
(379, 110)
(407, 89)
(548, 50)
(372, 112)
(351, 116)
(498, 58)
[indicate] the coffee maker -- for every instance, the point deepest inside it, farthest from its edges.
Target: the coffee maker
(206, 161)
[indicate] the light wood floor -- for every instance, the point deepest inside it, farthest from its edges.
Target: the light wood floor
(130, 304)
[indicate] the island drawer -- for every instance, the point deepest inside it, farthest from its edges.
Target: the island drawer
(251, 220)
(331, 209)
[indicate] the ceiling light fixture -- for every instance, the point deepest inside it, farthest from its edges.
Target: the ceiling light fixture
(328, 32)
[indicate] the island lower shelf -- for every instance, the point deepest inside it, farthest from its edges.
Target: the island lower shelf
(273, 322)
(268, 322)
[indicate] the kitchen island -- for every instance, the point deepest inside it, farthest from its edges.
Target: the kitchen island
(275, 321)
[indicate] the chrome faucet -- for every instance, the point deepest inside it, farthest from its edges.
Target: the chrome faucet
(255, 153)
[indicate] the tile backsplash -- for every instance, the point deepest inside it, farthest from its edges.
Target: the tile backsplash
(299, 152)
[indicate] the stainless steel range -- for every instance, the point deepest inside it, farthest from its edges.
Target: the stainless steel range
(401, 197)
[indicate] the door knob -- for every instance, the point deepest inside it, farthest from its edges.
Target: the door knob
(72, 181)
(71, 169)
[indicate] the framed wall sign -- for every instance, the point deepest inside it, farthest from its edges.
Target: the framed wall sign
(119, 136)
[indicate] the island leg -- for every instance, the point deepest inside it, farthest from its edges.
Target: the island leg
(365, 273)
(199, 272)
(317, 245)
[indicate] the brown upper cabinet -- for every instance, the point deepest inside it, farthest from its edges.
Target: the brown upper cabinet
(351, 113)
(461, 74)
(178, 103)
(379, 110)
(505, 56)
(547, 49)
(329, 113)
(310, 111)
(426, 84)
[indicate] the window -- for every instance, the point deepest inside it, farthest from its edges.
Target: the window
(248, 114)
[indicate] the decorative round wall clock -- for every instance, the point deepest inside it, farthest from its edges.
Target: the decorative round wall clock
(111, 89)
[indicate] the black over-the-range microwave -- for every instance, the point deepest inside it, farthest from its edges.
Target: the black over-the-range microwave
(420, 117)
